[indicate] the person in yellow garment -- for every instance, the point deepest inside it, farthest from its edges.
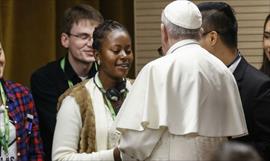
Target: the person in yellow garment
(183, 105)
(83, 128)
(19, 129)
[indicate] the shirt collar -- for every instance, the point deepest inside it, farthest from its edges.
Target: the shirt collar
(234, 65)
(10, 94)
(181, 44)
(71, 74)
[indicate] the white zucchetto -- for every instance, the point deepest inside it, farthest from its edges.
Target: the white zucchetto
(184, 14)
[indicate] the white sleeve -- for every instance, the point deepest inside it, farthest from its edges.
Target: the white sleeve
(139, 145)
(67, 134)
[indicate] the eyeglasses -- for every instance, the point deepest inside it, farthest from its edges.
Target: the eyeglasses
(82, 36)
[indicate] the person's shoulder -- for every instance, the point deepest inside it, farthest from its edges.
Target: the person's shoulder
(256, 74)
(47, 72)
(77, 91)
(159, 65)
(17, 87)
(48, 69)
(157, 62)
(255, 80)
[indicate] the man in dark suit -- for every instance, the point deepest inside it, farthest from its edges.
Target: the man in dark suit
(219, 37)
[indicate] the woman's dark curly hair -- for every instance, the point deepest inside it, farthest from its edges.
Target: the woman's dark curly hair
(103, 30)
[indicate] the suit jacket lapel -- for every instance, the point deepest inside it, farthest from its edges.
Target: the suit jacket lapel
(240, 70)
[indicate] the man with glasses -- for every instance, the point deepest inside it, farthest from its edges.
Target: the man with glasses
(219, 37)
(50, 81)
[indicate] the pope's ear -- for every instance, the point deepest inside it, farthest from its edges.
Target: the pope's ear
(65, 40)
(164, 33)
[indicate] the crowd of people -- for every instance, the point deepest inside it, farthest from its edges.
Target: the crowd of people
(201, 100)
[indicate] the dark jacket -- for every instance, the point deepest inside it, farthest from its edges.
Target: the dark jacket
(254, 88)
(47, 84)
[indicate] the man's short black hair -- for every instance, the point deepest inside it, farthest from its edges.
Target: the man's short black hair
(220, 17)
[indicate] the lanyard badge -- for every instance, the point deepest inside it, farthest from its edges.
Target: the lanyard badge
(29, 123)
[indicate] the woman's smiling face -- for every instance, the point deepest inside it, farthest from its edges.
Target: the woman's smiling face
(116, 54)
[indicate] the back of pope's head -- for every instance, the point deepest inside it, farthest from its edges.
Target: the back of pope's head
(183, 13)
(180, 19)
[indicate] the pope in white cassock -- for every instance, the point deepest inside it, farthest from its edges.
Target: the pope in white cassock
(183, 105)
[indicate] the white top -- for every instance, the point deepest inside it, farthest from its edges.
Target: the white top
(188, 91)
(12, 148)
(69, 124)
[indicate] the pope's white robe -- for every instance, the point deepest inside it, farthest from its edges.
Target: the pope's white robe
(176, 102)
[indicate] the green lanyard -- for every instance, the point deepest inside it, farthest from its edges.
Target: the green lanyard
(109, 104)
(62, 64)
(107, 101)
(4, 137)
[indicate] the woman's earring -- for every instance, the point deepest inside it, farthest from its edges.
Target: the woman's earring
(98, 62)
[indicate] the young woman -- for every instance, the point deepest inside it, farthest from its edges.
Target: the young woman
(87, 111)
(265, 68)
